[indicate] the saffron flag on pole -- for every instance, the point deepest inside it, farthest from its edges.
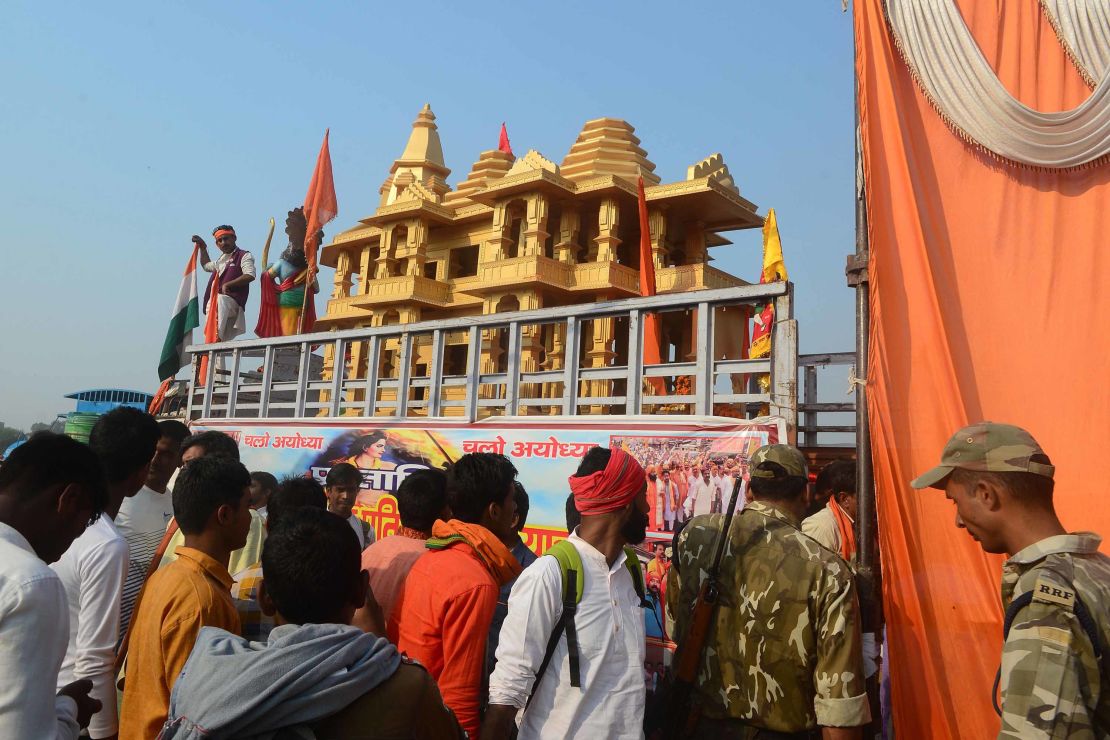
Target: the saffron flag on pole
(503, 144)
(183, 319)
(320, 205)
(774, 269)
(652, 334)
(211, 326)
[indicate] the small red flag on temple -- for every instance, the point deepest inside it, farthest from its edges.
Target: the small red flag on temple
(320, 205)
(503, 144)
(652, 334)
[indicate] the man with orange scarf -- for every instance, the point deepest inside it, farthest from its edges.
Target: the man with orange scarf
(443, 616)
(598, 690)
(834, 523)
(834, 526)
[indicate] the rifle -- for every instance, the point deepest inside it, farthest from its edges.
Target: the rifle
(683, 711)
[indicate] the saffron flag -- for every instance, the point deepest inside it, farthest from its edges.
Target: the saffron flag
(774, 269)
(652, 334)
(320, 205)
(503, 144)
(183, 319)
(211, 326)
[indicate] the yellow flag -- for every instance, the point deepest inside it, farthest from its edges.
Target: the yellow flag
(774, 268)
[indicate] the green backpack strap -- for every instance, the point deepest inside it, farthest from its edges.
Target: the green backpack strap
(570, 562)
(632, 562)
(570, 568)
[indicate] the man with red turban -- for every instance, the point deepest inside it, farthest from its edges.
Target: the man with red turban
(607, 699)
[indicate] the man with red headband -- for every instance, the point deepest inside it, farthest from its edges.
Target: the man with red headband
(601, 694)
(232, 274)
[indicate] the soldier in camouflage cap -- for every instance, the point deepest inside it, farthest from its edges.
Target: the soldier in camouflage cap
(783, 654)
(1055, 585)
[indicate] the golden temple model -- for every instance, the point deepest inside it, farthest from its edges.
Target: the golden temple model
(523, 234)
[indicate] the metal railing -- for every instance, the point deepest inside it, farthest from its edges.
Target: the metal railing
(376, 371)
(812, 432)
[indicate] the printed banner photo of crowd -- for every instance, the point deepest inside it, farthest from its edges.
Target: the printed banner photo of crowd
(152, 587)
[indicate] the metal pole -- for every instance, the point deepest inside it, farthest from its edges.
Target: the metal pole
(857, 278)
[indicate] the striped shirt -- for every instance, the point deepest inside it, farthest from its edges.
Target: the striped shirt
(141, 521)
(256, 625)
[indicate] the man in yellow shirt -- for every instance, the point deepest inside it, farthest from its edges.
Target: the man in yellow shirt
(211, 503)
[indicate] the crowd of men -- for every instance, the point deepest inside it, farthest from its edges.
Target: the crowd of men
(152, 587)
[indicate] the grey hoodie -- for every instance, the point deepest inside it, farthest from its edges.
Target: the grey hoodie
(231, 687)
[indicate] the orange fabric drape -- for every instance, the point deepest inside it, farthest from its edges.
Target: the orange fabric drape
(989, 300)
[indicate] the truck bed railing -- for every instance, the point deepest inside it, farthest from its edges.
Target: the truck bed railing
(571, 360)
(825, 422)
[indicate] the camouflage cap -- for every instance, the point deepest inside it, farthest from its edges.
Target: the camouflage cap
(987, 447)
(790, 458)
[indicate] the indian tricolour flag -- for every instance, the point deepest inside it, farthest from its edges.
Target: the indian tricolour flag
(184, 318)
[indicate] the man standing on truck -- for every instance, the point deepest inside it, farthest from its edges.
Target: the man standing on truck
(231, 277)
(796, 671)
(1055, 585)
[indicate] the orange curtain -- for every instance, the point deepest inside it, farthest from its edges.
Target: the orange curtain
(990, 299)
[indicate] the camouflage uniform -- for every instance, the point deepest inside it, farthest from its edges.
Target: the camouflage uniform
(783, 652)
(1051, 684)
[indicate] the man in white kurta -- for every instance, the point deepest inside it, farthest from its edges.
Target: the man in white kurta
(609, 622)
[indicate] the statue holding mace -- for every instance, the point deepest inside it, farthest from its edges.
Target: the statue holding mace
(283, 285)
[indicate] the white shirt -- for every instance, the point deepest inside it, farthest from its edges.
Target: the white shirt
(724, 484)
(822, 527)
(141, 521)
(93, 570)
(34, 622)
(246, 264)
(699, 500)
(365, 533)
(610, 625)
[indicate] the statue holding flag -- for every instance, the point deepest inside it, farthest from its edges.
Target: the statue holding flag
(283, 283)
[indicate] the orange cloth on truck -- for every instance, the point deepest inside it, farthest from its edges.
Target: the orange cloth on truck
(192, 592)
(988, 291)
(444, 614)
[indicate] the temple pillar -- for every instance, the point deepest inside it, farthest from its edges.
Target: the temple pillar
(416, 247)
(657, 226)
(366, 267)
(356, 370)
(343, 282)
(566, 250)
(531, 349)
(696, 253)
(608, 220)
(496, 246)
(600, 354)
(535, 226)
(386, 262)
(555, 341)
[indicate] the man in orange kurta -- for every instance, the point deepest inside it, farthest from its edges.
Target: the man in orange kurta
(211, 503)
(444, 614)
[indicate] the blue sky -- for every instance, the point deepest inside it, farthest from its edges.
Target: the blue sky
(126, 127)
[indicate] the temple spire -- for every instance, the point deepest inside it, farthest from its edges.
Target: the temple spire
(422, 160)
